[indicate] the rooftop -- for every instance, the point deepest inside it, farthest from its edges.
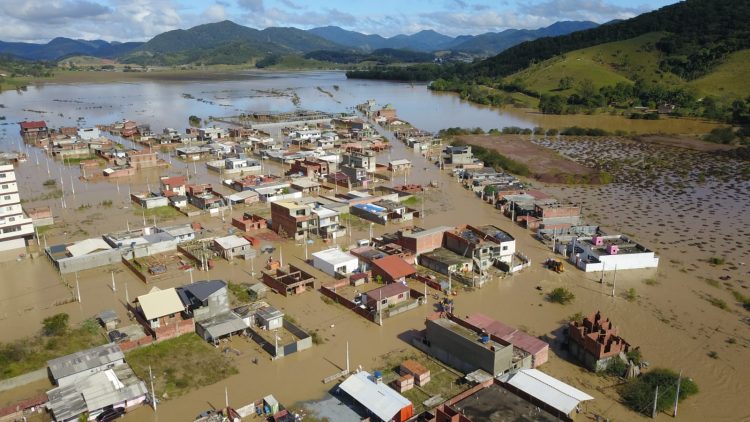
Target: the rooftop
(389, 290)
(547, 389)
(84, 360)
(496, 404)
(334, 256)
(496, 233)
(377, 397)
(158, 303)
(231, 242)
(394, 266)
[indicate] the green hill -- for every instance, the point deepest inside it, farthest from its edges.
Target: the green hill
(731, 79)
(224, 43)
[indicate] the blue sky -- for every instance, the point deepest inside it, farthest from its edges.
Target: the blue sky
(139, 20)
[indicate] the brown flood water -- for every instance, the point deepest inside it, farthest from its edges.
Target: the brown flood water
(674, 325)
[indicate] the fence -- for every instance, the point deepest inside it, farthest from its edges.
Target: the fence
(364, 313)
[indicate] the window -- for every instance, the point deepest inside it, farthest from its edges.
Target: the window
(6, 197)
(5, 186)
(401, 296)
(384, 302)
(505, 248)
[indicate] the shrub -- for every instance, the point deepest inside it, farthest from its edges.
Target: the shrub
(55, 325)
(638, 394)
(561, 295)
(631, 295)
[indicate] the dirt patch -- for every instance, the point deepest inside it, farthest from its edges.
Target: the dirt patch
(694, 144)
(544, 164)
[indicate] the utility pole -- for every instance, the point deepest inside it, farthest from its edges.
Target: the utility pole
(677, 395)
(226, 397)
(127, 297)
(114, 289)
(78, 289)
(656, 398)
(153, 394)
(347, 357)
(614, 281)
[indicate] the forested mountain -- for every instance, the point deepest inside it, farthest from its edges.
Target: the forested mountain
(430, 41)
(700, 34)
(60, 48)
(495, 42)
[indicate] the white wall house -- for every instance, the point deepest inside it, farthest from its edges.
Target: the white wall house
(334, 260)
(15, 226)
(608, 253)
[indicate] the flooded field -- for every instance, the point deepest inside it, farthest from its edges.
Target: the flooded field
(686, 218)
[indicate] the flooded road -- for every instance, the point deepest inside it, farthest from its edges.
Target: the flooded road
(672, 323)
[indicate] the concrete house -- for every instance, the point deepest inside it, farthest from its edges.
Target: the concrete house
(386, 296)
(33, 131)
(392, 269)
(89, 133)
(269, 318)
(69, 369)
(595, 341)
(607, 253)
(160, 308)
(468, 350)
(208, 303)
(334, 261)
(288, 282)
(458, 155)
(234, 246)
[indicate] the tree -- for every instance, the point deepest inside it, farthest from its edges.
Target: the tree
(561, 295)
(565, 83)
(55, 325)
(552, 104)
(638, 394)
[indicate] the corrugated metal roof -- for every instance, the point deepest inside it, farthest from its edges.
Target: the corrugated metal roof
(552, 391)
(84, 360)
(231, 242)
(87, 246)
(378, 398)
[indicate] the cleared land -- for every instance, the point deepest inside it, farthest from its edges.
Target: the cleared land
(180, 365)
(544, 164)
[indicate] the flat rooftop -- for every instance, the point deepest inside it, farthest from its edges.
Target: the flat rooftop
(466, 333)
(496, 233)
(447, 256)
(496, 404)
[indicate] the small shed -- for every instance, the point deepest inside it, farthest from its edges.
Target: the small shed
(269, 318)
(108, 319)
(392, 269)
(258, 291)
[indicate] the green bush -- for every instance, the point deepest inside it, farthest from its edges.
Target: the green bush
(561, 295)
(638, 394)
(55, 325)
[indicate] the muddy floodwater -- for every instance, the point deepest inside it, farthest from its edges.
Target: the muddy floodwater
(686, 212)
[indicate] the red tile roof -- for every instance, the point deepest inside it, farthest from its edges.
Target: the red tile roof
(394, 266)
(33, 125)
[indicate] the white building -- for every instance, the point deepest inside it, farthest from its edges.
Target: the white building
(607, 253)
(334, 260)
(15, 227)
(89, 133)
(211, 133)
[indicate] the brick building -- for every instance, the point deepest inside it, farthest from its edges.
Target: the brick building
(595, 341)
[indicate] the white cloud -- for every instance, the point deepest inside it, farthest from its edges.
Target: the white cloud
(52, 12)
(251, 5)
(215, 12)
(595, 10)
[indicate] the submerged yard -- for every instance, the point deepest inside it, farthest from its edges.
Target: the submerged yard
(181, 364)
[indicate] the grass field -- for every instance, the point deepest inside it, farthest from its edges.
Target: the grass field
(627, 61)
(180, 365)
(30, 354)
(730, 79)
(605, 64)
(443, 380)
